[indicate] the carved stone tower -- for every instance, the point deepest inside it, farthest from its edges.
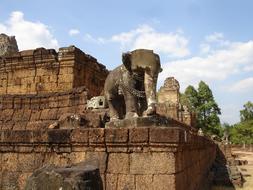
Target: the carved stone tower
(169, 92)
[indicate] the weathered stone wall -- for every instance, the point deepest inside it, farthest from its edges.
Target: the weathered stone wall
(45, 70)
(129, 158)
(20, 112)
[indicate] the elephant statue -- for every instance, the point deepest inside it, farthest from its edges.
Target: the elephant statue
(130, 89)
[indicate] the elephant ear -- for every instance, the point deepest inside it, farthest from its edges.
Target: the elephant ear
(126, 59)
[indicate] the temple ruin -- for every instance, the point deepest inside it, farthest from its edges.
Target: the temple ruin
(45, 120)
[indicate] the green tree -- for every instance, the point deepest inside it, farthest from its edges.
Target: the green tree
(247, 113)
(242, 132)
(208, 111)
(190, 98)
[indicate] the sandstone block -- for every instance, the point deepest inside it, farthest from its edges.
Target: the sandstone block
(166, 135)
(116, 135)
(118, 163)
(126, 182)
(152, 163)
(144, 182)
(59, 136)
(164, 182)
(80, 136)
(96, 136)
(138, 135)
(111, 181)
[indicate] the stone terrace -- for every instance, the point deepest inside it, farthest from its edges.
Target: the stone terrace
(129, 158)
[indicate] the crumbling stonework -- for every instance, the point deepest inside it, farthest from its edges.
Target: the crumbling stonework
(26, 112)
(169, 103)
(45, 70)
(8, 45)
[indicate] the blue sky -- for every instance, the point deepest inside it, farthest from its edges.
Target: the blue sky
(210, 40)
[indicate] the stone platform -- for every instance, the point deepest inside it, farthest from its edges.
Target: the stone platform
(165, 158)
(150, 121)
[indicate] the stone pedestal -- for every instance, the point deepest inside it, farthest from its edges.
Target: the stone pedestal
(150, 121)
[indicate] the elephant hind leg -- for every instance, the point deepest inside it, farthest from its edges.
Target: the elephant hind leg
(116, 107)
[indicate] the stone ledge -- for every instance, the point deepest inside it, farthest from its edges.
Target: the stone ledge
(114, 140)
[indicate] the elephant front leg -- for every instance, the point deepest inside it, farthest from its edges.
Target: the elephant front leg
(131, 105)
(150, 90)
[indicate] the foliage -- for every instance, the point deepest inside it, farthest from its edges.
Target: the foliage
(247, 113)
(202, 102)
(242, 132)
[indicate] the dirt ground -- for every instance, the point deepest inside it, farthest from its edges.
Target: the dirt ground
(246, 170)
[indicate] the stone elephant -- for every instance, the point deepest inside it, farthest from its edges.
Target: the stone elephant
(130, 89)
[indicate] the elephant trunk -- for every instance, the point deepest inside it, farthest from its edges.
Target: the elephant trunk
(150, 91)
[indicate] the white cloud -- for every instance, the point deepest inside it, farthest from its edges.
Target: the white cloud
(74, 32)
(90, 38)
(172, 44)
(215, 37)
(242, 86)
(29, 35)
(217, 64)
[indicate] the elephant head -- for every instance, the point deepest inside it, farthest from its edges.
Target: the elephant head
(145, 62)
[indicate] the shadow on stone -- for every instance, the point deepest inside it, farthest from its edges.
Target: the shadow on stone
(225, 171)
(79, 177)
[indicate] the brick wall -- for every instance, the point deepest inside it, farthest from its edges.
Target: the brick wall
(45, 70)
(20, 112)
(166, 158)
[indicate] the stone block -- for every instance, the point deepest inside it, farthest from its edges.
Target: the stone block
(20, 125)
(35, 115)
(96, 136)
(7, 114)
(125, 182)
(7, 102)
(144, 182)
(116, 135)
(21, 136)
(59, 136)
(53, 101)
(152, 163)
(77, 157)
(164, 182)
(166, 135)
(17, 103)
(35, 103)
(26, 115)
(25, 162)
(80, 136)
(45, 114)
(10, 161)
(40, 136)
(118, 163)
(138, 135)
(111, 181)
(18, 115)
(44, 103)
